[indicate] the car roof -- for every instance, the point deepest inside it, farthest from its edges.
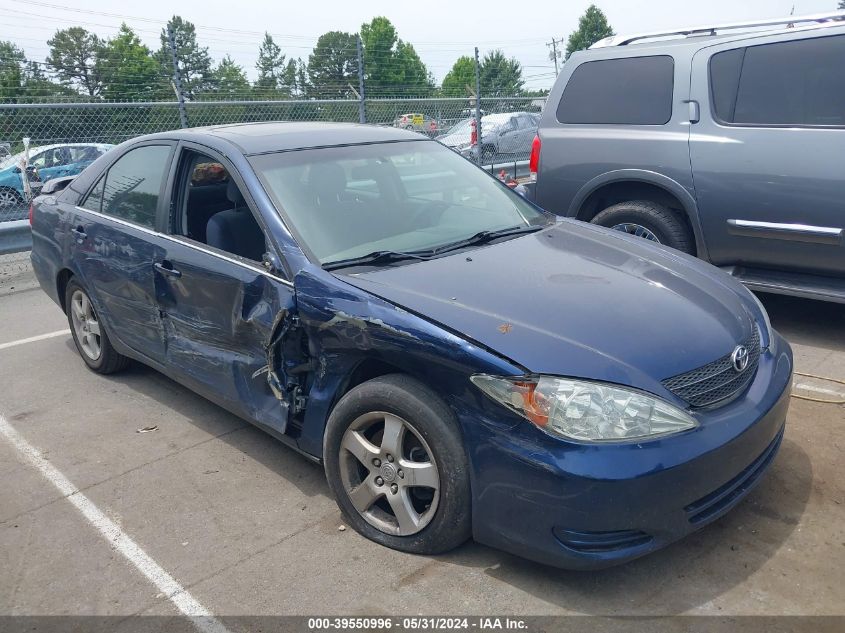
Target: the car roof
(263, 138)
(697, 41)
(44, 148)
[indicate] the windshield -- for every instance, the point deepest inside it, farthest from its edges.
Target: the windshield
(465, 127)
(346, 202)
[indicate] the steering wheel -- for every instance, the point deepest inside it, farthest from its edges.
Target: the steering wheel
(434, 208)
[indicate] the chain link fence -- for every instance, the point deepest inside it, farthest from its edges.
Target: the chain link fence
(62, 136)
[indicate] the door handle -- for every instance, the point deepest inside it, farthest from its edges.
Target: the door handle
(694, 111)
(79, 231)
(166, 268)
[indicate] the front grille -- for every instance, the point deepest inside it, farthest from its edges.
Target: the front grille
(595, 542)
(723, 497)
(718, 382)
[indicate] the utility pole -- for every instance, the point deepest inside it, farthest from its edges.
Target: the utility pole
(362, 106)
(554, 55)
(478, 106)
(177, 77)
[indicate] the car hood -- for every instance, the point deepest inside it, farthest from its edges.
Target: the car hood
(453, 140)
(578, 300)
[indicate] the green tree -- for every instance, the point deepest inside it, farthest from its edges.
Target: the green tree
(11, 72)
(73, 57)
(297, 74)
(193, 59)
(127, 69)
(38, 87)
(392, 66)
(229, 79)
(842, 4)
(271, 67)
(592, 27)
(333, 66)
(500, 76)
(460, 80)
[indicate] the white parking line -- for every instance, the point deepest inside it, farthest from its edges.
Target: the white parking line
(829, 392)
(200, 617)
(33, 339)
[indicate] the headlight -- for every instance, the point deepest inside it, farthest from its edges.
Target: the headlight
(585, 411)
(767, 324)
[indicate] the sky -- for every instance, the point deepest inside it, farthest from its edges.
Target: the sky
(440, 31)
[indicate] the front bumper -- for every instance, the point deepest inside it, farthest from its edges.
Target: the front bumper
(589, 506)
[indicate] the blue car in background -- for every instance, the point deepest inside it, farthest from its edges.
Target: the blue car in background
(45, 163)
(461, 362)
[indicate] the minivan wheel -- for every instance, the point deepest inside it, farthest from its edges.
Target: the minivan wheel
(648, 220)
(396, 465)
(89, 333)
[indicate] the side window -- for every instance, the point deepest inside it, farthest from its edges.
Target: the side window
(133, 184)
(801, 82)
(39, 161)
(525, 122)
(213, 210)
(628, 91)
(94, 200)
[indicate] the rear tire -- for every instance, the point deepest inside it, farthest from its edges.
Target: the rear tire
(663, 225)
(415, 496)
(89, 332)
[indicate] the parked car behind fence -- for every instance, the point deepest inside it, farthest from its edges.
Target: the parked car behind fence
(504, 136)
(44, 164)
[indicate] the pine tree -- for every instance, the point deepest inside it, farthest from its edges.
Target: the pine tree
(592, 27)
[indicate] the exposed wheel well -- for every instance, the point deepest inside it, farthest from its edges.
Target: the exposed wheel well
(61, 285)
(367, 370)
(616, 192)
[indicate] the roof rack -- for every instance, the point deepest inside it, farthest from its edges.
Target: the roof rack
(623, 40)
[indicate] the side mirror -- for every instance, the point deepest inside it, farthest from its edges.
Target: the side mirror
(271, 262)
(16, 169)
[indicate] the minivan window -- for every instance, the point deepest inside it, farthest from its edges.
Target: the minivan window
(629, 91)
(801, 82)
(133, 184)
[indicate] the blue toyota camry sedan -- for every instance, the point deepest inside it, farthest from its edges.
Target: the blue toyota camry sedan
(461, 362)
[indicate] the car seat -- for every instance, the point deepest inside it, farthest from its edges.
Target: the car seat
(235, 230)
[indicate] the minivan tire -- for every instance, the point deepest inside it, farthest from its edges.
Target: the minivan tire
(109, 360)
(667, 227)
(430, 420)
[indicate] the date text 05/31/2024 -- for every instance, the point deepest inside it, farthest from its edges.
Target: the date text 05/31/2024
(416, 623)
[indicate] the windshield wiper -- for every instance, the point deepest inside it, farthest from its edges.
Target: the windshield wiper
(375, 258)
(482, 237)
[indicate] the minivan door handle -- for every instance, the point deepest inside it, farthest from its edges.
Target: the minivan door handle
(166, 268)
(694, 111)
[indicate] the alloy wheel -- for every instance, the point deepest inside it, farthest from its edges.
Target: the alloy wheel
(389, 473)
(86, 325)
(636, 229)
(9, 198)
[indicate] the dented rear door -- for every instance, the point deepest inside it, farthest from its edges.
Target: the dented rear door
(220, 313)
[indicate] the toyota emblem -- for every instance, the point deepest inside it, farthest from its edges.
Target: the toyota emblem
(740, 358)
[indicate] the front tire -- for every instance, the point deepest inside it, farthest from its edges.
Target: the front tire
(396, 465)
(89, 333)
(9, 198)
(649, 220)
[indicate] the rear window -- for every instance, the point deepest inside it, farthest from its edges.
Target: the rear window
(630, 91)
(801, 82)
